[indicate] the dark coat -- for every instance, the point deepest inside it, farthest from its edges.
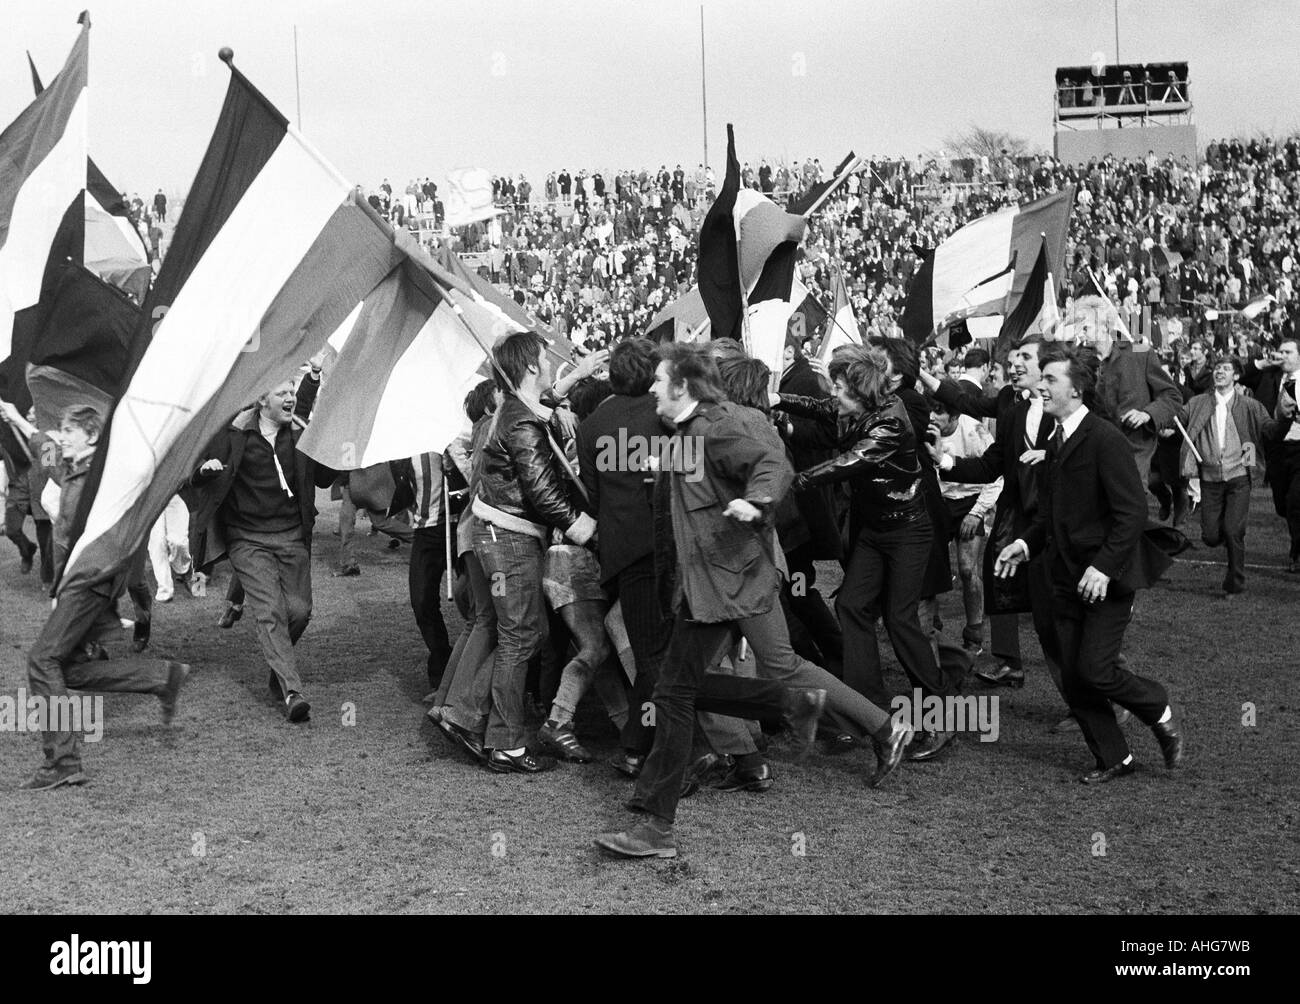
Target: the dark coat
(521, 474)
(812, 443)
(1131, 377)
(619, 496)
(1092, 512)
(727, 569)
(205, 493)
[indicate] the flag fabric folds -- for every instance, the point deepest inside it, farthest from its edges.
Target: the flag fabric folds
(273, 252)
(717, 264)
(42, 170)
(415, 348)
(969, 256)
(1258, 305)
(1035, 313)
(842, 325)
(81, 356)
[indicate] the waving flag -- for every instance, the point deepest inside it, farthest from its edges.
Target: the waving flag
(273, 251)
(469, 197)
(969, 257)
(842, 325)
(42, 170)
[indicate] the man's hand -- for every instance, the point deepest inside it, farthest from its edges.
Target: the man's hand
(1135, 418)
(1012, 557)
(820, 367)
(568, 422)
(934, 445)
(582, 530)
(970, 526)
(1031, 457)
(1165, 433)
(1092, 587)
(742, 511)
(212, 467)
(591, 363)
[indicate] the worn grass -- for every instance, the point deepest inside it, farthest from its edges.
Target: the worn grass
(383, 816)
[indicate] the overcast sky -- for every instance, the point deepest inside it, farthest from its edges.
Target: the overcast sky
(399, 88)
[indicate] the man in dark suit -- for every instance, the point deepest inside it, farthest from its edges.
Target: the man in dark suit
(1140, 395)
(1089, 528)
(1285, 476)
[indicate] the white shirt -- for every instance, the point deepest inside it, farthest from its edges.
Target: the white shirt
(1033, 419)
(1069, 425)
(1221, 405)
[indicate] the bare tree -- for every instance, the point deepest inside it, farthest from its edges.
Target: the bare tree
(977, 141)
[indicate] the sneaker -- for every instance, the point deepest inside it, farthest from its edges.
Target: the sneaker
(48, 778)
(559, 741)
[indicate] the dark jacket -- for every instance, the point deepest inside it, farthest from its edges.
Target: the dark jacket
(1131, 378)
(726, 569)
(521, 474)
(879, 459)
(208, 491)
(1092, 512)
(72, 482)
(812, 443)
(621, 433)
(1018, 502)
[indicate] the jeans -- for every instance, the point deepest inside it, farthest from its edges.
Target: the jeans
(886, 573)
(1224, 508)
(586, 621)
(465, 693)
(85, 612)
(512, 563)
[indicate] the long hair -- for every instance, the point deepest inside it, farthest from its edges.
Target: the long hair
(632, 367)
(695, 368)
(865, 372)
(746, 381)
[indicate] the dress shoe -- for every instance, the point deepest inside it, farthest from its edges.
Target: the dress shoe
(746, 779)
(48, 778)
(464, 738)
(232, 613)
(25, 565)
(644, 840)
(1171, 742)
(525, 763)
(394, 544)
(1003, 676)
(628, 764)
(803, 706)
(889, 753)
(177, 674)
(348, 571)
(1101, 775)
(296, 708)
(560, 742)
(933, 744)
(140, 635)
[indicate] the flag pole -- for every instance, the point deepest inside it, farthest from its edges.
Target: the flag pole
(446, 522)
(1188, 440)
(297, 83)
(835, 183)
(704, 92)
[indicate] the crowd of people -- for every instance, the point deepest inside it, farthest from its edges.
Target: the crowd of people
(630, 524)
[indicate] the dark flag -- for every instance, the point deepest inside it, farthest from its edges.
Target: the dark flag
(800, 205)
(1028, 314)
(718, 264)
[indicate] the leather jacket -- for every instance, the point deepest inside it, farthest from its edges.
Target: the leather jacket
(520, 473)
(879, 459)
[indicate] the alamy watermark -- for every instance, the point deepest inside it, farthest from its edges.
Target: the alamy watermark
(60, 713)
(953, 713)
(678, 454)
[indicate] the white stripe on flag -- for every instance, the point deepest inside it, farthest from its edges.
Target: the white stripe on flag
(966, 259)
(38, 210)
(215, 317)
(422, 407)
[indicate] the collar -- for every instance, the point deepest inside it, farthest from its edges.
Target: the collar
(1071, 425)
(1225, 398)
(687, 414)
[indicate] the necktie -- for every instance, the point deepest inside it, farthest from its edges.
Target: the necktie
(1056, 442)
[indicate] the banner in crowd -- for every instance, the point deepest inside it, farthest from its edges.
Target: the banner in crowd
(273, 251)
(469, 197)
(42, 172)
(842, 325)
(977, 251)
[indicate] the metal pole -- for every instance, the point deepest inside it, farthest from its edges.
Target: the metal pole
(1116, 32)
(297, 84)
(704, 93)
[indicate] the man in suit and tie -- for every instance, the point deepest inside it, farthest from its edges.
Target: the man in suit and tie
(1285, 476)
(1091, 514)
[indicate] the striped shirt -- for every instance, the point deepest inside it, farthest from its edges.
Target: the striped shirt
(428, 490)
